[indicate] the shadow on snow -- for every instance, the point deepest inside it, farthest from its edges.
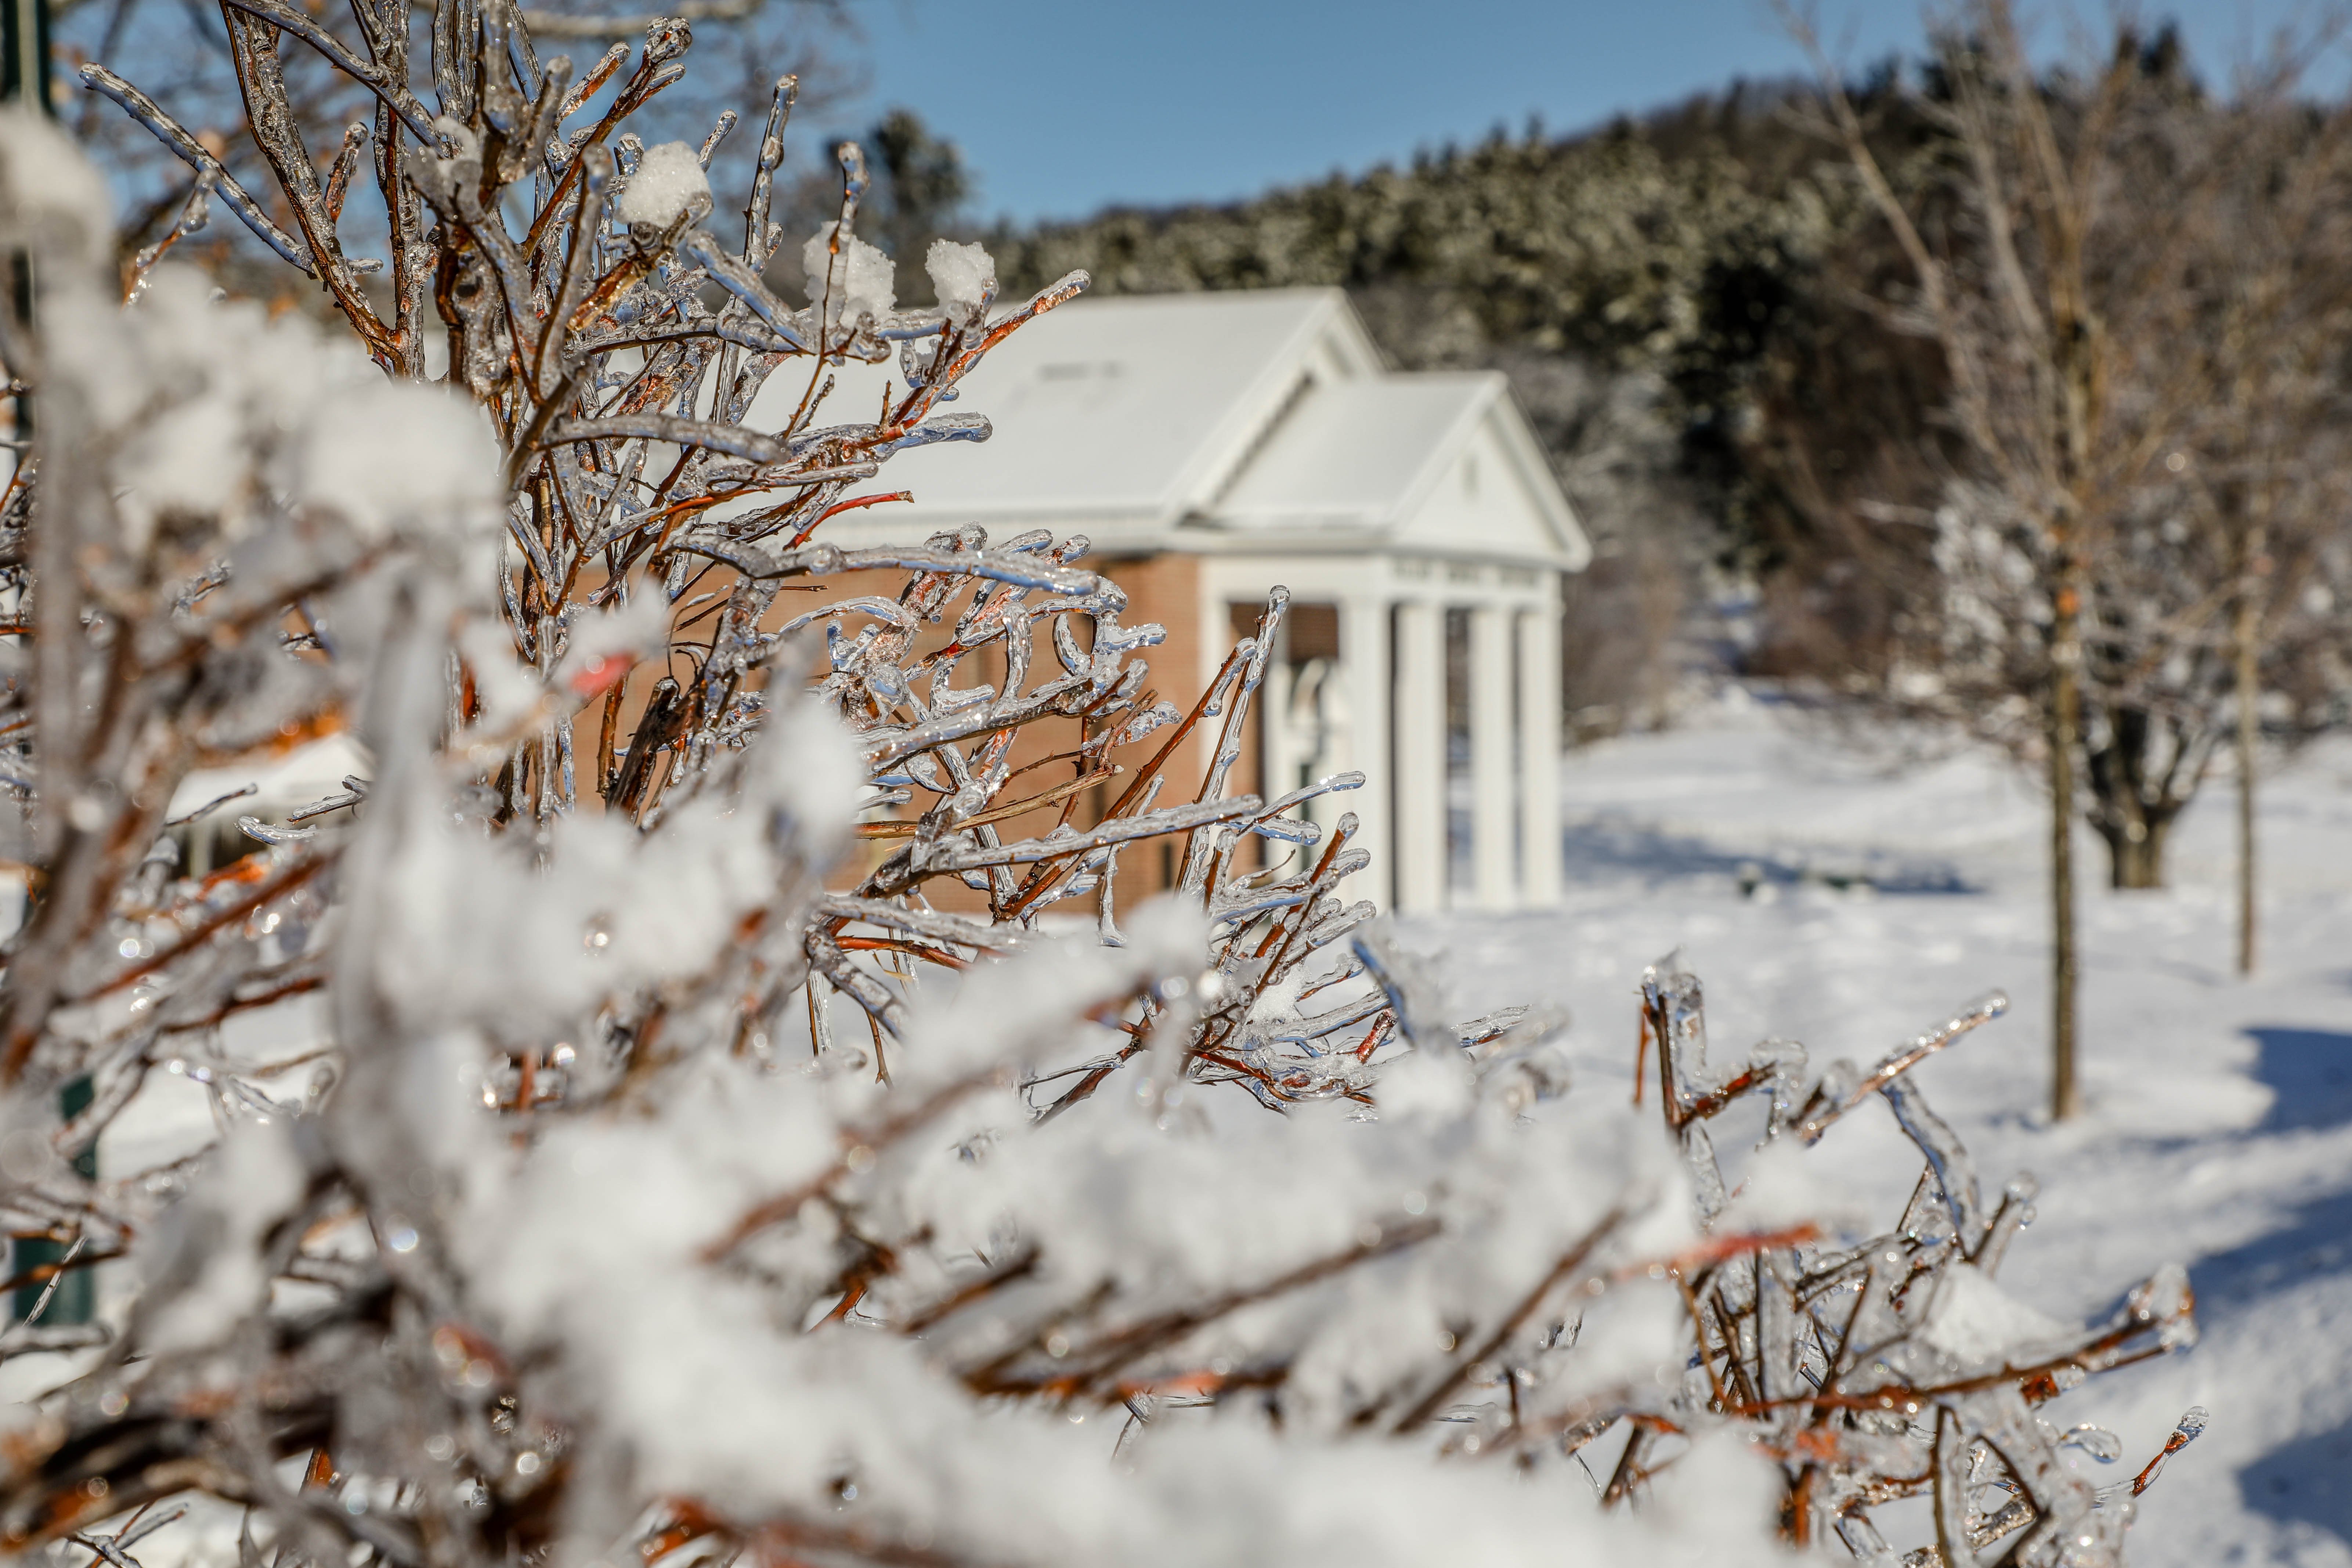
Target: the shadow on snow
(1613, 846)
(2309, 1072)
(2309, 1479)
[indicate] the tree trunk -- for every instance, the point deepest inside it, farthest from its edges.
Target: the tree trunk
(2132, 810)
(2064, 723)
(2245, 634)
(2135, 858)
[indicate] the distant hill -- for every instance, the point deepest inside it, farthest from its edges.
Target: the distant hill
(1638, 284)
(1665, 245)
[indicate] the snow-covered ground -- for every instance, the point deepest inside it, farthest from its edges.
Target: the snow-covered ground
(2218, 1124)
(1824, 899)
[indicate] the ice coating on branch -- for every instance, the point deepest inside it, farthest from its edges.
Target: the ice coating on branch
(963, 277)
(1974, 1319)
(669, 182)
(506, 690)
(857, 281)
(594, 1249)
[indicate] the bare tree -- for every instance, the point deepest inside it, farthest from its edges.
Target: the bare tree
(183, 55)
(2264, 463)
(2073, 244)
(2009, 304)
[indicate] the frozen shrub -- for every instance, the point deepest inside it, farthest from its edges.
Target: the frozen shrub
(642, 1202)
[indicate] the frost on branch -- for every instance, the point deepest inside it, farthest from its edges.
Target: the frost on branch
(662, 1185)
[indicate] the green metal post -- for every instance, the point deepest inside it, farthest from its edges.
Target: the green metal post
(76, 1298)
(28, 67)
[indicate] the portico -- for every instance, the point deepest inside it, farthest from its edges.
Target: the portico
(1439, 679)
(1214, 446)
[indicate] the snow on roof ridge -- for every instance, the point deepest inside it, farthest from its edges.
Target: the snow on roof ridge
(1287, 294)
(1485, 388)
(1412, 457)
(1255, 416)
(1164, 436)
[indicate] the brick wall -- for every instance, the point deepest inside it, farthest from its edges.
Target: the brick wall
(1160, 588)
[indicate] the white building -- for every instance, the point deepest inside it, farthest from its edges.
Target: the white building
(1214, 446)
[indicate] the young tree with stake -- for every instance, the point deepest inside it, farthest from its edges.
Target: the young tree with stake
(2084, 252)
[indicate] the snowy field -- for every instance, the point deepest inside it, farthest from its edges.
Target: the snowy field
(1825, 899)
(2218, 1125)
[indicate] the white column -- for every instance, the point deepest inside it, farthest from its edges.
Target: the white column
(1277, 750)
(1540, 632)
(1418, 750)
(1494, 771)
(1364, 671)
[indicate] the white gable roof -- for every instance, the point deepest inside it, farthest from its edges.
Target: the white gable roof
(1213, 421)
(1441, 464)
(1348, 456)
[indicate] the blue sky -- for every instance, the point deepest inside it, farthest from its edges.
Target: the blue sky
(1066, 107)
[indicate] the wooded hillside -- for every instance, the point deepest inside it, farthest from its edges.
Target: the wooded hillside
(1704, 316)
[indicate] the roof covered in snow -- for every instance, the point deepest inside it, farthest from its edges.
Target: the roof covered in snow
(1356, 453)
(1231, 421)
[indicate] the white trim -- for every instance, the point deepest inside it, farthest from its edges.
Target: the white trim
(1486, 386)
(1534, 471)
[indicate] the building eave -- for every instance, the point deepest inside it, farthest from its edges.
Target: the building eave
(1355, 542)
(1535, 472)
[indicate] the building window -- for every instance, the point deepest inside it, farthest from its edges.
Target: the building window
(1296, 730)
(1309, 631)
(1313, 633)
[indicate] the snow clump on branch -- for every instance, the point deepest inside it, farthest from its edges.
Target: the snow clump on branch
(850, 278)
(668, 183)
(963, 277)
